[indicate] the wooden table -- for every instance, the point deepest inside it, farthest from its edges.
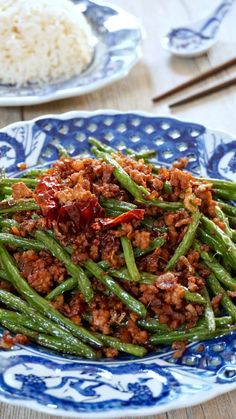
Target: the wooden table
(157, 72)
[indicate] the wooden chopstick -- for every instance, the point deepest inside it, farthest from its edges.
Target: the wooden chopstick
(200, 77)
(206, 92)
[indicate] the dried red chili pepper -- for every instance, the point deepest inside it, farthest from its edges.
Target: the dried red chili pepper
(126, 217)
(45, 195)
(80, 213)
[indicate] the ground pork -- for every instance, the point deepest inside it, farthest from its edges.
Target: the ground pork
(81, 187)
(41, 270)
(20, 190)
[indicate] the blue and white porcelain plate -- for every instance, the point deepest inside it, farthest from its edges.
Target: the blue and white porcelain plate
(43, 380)
(118, 48)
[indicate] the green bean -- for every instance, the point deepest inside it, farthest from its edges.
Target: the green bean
(116, 205)
(41, 305)
(219, 271)
(219, 183)
(194, 297)
(186, 243)
(8, 223)
(16, 303)
(74, 270)
(153, 325)
(112, 286)
(11, 322)
(210, 240)
(227, 208)
(149, 222)
(17, 241)
(115, 208)
(195, 334)
(228, 246)
(120, 174)
(232, 221)
(220, 214)
(68, 285)
(227, 194)
(3, 275)
(20, 205)
(167, 187)
(146, 154)
(127, 183)
(106, 148)
(209, 313)
(129, 258)
(101, 146)
(123, 274)
(217, 289)
(223, 321)
(62, 152)
(129, 348)
(148, 279)
(113, 213)
(234, 236)
(165, 205)
(5, 190)
(156, 243)
(12, 181)
(33, 173)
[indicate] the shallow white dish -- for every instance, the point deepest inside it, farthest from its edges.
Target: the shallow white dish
(118, 48)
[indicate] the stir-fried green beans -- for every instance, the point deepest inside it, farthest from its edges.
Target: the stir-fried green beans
(220, 272)
(137, 192)
(41, 305)
(68, 285)
(75, 271)
(195, 334)
(109, 288)
(116, 205)
(155, 244)
(226, 243)
(153, 325)
(227, 208)
(145, 155)
(9, 206)
(17, 241)
(109, 282)
(115, 208)
(187, 241)
(194, 297)
(13, 302)
(219, 183)
(209, 313)
(18, 323)
(11, 181)
(220, 214)
(225, 300)
(129, 258)
(227, 194)
(8, 223)
(129, 348)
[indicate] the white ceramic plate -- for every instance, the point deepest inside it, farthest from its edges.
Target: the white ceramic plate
(119, 35)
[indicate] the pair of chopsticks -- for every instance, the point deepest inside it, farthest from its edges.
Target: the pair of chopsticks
(206, 92)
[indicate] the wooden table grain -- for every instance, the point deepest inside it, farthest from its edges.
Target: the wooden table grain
(155, 73)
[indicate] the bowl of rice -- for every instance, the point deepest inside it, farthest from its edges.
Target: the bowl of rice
(42, 41)
(56, 49)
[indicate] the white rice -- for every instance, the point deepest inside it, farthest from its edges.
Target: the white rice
(42, 41)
